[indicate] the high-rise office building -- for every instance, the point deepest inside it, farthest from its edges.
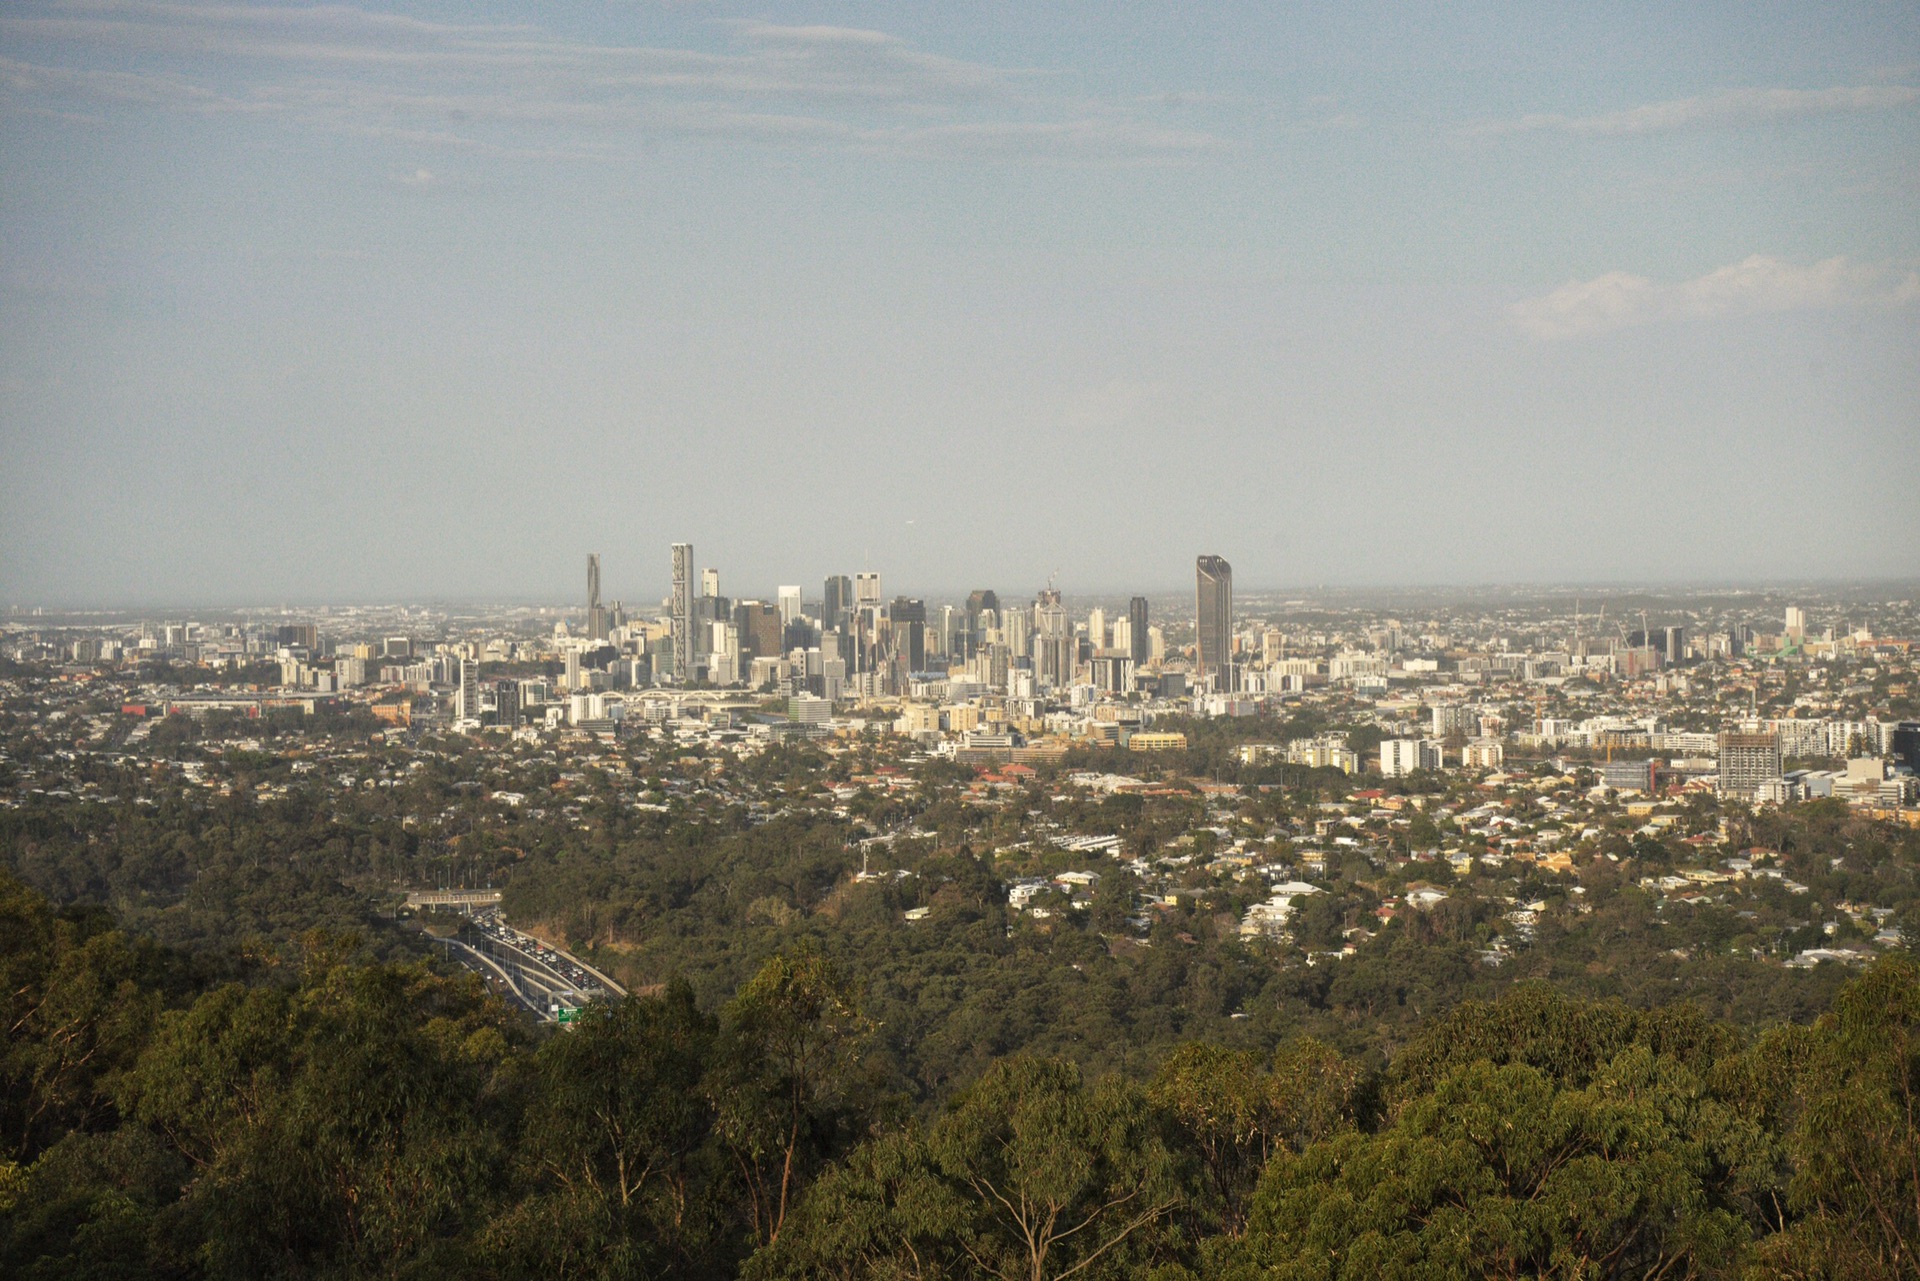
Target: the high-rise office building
(1796, 623)
(1675, 644)
(710, 584)
(836, 602)
(681, 617)
(1646, 650)
(1111, 670)
(1056, 651)
(909, 618)
(981, 600)
(1097, 627)
(596, 617)
(758, 626)
(723, 653)
(1213, 621)
(1273, 646)
(1017, 626)
(1137, 628)
(943, 636)
(866, 590)
(501, 702)
(789, 598)
(1903, 744)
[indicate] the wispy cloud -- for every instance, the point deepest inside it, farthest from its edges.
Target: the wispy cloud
(1756, 284)
(1728, 109)
(152, 89)
(490, 86)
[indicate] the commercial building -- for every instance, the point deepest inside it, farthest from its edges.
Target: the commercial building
(1137, 630)
(1213, 621)
(836, 602)
(759, 629)
(1155, 741)
(909, 618)
(806, 709)
(596, 616)
(1055, 649)
(983, 611)
(1903, 745)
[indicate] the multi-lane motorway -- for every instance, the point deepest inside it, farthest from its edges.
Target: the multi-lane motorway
(540, 978)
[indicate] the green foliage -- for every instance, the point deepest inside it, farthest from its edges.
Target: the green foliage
(78, 1001)
(782, 1085)
(1231, 1113)
(851, 1097)
(1855, 1147)
(1033, 1174)
(1500, 1171)
(616, 1170)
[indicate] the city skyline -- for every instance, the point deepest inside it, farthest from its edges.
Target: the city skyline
(561, 599)
(638, 597)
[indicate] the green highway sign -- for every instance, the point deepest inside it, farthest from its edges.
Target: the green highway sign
(566, 1013)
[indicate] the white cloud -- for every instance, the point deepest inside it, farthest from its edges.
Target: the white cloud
(1728, 109)
(488, 87)
(1756, 284)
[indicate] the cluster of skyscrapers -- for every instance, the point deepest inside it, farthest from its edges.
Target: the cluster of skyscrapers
(853, 641)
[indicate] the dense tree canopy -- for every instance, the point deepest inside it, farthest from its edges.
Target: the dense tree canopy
(338, 1115)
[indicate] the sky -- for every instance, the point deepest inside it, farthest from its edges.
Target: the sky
(412, 302)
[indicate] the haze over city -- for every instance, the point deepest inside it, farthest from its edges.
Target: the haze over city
(411, 302)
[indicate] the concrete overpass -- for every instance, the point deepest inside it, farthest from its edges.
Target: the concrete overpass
(458, 899)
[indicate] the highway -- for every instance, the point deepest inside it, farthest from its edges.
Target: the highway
(526, 971)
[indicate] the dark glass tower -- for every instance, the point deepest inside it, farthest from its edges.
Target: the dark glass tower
(836, 602)
(1213, 620)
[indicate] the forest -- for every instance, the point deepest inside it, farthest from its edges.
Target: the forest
(317, 1112)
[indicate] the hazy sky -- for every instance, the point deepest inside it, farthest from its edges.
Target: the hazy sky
(429, 301)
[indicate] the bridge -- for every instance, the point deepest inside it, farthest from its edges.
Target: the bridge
(467, 899)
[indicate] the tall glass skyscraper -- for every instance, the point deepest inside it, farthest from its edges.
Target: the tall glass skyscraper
(596, 617)
(836, 602)
(1137, 630)
(1213, 621)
